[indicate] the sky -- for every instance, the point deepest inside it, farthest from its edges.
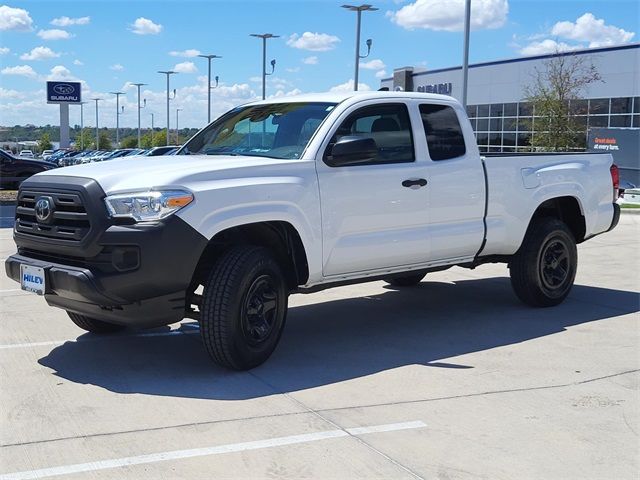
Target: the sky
(110, 44)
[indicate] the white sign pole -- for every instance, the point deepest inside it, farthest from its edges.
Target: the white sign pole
(64, 125)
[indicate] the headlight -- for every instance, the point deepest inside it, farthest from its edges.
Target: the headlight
(148, 206)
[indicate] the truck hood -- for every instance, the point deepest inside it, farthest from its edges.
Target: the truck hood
(141, 173)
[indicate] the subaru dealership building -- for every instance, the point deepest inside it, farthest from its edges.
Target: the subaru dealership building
(503, 120)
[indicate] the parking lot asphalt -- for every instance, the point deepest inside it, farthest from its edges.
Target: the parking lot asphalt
(453, 379)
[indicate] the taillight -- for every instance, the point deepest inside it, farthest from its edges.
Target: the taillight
(615, 180)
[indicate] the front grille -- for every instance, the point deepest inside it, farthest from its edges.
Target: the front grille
(70, 220)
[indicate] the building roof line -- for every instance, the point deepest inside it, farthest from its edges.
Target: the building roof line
(524, 59)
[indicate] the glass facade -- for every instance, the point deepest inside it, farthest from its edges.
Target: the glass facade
(507, 127)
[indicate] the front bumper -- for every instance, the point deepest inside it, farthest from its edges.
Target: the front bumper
(134, 274)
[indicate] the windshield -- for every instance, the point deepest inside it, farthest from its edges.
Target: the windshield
(277, 130)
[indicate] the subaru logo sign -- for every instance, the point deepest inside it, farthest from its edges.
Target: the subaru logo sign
(64, 92)
(63, 89)
(43, 210)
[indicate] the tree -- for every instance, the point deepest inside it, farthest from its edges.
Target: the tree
(129, 142)
(45, 142)
(160, 138)
(562, 79)
(84, 139)
(104, 142)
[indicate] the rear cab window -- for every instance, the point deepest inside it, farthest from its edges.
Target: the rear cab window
(445, 139)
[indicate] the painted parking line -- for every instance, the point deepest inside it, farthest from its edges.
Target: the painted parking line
(92, 339)
(206, 451)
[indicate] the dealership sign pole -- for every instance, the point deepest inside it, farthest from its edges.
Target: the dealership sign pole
(63, 94)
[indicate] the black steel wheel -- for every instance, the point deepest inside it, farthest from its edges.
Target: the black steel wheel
(544, 268)
(244, 308)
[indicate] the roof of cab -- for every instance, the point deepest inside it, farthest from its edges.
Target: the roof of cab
(337, 97)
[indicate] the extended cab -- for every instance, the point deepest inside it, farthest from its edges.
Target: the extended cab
(295, 195)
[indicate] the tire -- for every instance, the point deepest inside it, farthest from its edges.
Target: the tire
(405, 280)
(92, 325)
(244, 308)
(544, 268)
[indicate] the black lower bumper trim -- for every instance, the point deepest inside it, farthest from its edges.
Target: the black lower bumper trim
(616, 217)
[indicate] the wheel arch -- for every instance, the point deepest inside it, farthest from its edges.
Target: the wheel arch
(567, 209)
(280, 237)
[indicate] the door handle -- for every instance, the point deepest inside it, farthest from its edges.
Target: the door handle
(419, 182)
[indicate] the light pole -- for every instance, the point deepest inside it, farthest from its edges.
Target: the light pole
(264, 37)
(139, 107)
(168, 73)
(465, 63)
(151, 123)
(209, 87)
(82, 125)
(97, 133)
(359, 9)
(117, 94)
(178, 110)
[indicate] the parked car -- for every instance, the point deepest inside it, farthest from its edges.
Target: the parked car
(343, 188)
(155, 151)
(14, 170)
(46, 154)
(631, 197)
(624, 186)
(26, 154)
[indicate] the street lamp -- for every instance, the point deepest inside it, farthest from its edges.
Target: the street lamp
(117, 94)
(168, 73)
(359, 9)
(82, 125)
(151, 122)
(209, 87)
(178, 110)
(139, 107)
(264, 37)
(97, 134)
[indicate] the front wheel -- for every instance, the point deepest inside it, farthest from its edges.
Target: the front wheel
(544, 268)
(244, 308)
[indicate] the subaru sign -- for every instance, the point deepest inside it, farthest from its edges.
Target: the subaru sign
(64, 92)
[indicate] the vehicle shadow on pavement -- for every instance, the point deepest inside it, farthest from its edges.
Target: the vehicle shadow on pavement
(338, 340)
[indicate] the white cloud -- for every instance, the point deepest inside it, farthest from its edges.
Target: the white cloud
(144, 26)
(588, 28)
(315, 42)
(348, 87)
(67, 22)
(16, 19)
(60, 72)
(313, 60)
(77, 62)
(117, 67)
(5, 93)
(448, 15)
(39, 53)
(189, 53)
(54, 34)
(4, 50)
(21, 70)
(293, 69)
(547, 46)
(376, 64)
(185, 67)
(381, 74)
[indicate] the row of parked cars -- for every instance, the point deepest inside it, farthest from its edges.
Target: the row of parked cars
(15, 169)
(64, 158)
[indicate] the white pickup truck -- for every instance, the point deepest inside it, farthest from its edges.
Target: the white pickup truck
(293, 195)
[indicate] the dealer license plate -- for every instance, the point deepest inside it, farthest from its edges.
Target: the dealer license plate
(32, 279)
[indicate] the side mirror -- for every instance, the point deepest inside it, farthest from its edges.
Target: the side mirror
(352, 150)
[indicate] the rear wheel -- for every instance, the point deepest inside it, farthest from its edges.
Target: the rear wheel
(544, 268)
(244, 308)
(405, 280)
(92, 325)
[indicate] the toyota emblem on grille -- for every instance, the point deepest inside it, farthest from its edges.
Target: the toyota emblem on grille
(43, 210)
